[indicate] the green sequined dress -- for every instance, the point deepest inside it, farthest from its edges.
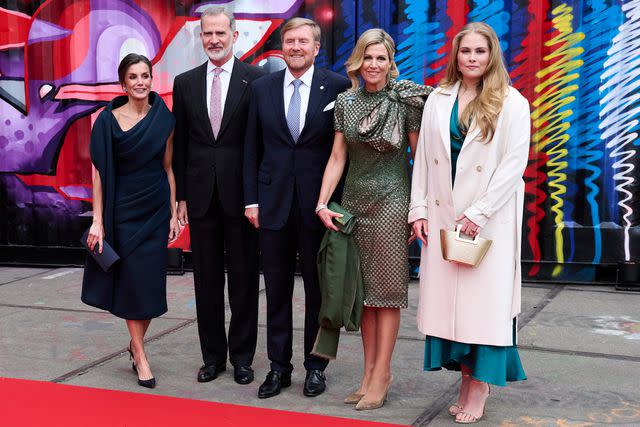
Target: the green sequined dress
(376, 191)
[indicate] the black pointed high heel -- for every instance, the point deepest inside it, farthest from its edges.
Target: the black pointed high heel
(133, 364)
(151, 382)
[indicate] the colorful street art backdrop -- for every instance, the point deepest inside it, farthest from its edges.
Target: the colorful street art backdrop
(576, 61)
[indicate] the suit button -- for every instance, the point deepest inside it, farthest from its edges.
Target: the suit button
(437, 202)
(479, 168)
(435, 161)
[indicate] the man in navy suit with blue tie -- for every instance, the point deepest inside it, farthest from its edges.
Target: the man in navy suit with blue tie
(287, 144)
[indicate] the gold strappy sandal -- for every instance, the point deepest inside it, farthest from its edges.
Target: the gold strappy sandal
(472, 419)
(456, 408)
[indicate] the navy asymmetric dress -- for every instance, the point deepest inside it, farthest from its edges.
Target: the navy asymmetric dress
(136, 203)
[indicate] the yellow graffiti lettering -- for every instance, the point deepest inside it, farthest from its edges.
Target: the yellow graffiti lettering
(553, 95)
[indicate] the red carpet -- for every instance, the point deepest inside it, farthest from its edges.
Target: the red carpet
(37, 403)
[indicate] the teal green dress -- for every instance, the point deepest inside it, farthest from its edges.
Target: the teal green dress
(489, 363)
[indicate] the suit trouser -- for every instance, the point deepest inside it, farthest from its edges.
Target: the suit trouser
(278, 249)
(209, 237)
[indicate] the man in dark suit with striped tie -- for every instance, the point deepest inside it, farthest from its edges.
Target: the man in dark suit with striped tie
(287, 145)
(210, 103)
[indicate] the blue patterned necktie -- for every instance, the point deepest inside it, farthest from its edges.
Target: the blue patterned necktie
(293, 113)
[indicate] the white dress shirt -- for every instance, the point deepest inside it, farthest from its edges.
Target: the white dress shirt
(225, 78)
(304, 89)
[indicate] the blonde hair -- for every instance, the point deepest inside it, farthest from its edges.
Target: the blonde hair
(366, 39)
(486, 106)
(294, 23)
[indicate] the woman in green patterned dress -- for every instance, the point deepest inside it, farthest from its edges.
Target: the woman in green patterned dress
(374, 127)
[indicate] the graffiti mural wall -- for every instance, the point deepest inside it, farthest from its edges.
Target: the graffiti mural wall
(578, 63)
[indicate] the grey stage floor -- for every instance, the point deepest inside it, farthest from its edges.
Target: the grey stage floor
(580, 348)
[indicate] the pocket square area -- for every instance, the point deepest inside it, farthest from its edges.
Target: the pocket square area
(329, 106)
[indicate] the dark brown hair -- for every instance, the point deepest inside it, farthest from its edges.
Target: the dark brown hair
(128, 61)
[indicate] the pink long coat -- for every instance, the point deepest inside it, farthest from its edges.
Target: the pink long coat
(465, 304)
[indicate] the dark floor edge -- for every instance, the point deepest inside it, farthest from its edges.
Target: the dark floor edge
(591, 354)
(525, 318)
(601, 290)
(28, 277)
(439, 404)
(538, 285)
(436, 407)
(83, 369)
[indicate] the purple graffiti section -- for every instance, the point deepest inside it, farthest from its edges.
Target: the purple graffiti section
(40, 215)
(31, 143)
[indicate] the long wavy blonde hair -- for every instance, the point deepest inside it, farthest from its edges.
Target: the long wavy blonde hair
(493, 88)
(366, 39)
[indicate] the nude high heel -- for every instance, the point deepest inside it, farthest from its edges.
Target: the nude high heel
(365, 405)
(472, 419)
(353, 398)
(456, 408)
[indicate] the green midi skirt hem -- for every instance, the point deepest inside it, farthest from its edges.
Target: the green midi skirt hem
(491, 364)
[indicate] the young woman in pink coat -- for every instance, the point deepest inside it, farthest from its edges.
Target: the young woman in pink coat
(472, 152)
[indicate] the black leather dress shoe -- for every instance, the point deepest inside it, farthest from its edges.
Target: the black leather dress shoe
(314, 383)
(210, 372)
(275, 381)
(243, 374)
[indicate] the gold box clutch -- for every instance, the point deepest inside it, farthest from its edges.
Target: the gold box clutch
(463, 250)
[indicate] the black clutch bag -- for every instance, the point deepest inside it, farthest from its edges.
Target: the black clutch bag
(106, 259)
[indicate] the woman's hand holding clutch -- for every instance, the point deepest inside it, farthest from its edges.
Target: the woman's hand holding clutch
(95, 236)
(326, 216)
(469, 227)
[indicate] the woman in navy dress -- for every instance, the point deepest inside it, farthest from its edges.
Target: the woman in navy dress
(134, 207)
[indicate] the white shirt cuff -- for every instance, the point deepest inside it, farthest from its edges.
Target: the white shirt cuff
(416, 213)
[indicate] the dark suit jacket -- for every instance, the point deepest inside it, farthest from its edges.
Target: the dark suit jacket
(202, 163)
(274, 165)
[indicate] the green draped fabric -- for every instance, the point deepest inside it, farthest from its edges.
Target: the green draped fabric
(492, 364)
(340, 280)
(457, 138)
(386, 120)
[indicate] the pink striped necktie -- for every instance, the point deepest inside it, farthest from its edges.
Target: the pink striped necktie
(215, 104)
